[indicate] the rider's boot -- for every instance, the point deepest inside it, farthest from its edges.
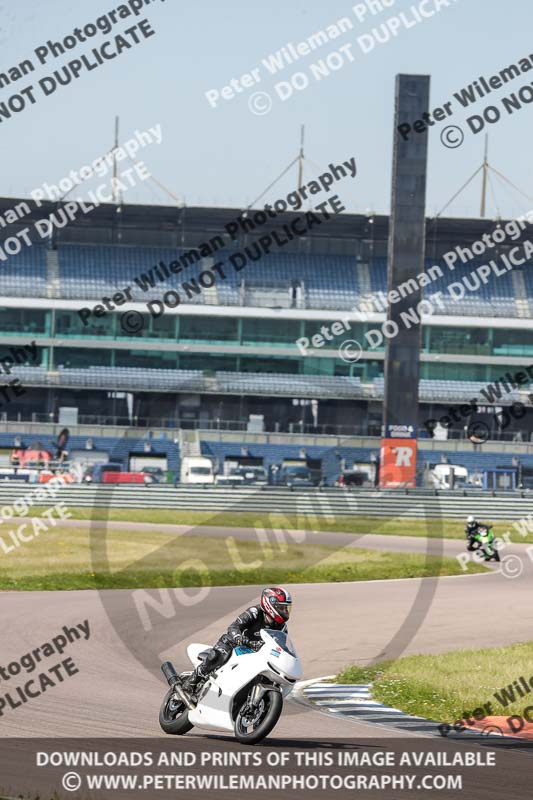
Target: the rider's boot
(187, 689)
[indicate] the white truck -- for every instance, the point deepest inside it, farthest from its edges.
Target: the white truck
(197, 469)
(445, 476)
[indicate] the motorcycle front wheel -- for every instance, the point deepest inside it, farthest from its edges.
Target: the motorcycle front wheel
(174, 715)
(252, 725)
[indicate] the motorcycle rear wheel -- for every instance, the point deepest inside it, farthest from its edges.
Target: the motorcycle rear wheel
(174, 716)
(249, 731)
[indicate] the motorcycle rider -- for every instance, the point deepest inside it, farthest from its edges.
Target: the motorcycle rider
(472, 529)
(272, 611)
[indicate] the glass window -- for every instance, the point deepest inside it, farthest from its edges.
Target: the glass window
(69, 323)
(285, 365)
(473, 341)
(71, 357)
(22, 320)
(209, 329)
(343, 369)
(131, 327)
(273, 331)
(513, 343)
(164, 327)
(312, 327)
(453, 372)
(208, 363)
(150, 359)
(372, 369)
(312, 365)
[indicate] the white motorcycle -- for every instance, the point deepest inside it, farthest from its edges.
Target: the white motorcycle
(244, 696)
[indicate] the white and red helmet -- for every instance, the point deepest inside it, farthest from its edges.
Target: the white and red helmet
(276, 602)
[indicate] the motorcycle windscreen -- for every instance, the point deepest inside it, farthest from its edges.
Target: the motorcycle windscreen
(283, 641)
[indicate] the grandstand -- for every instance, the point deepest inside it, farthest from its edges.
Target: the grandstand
(335, 283)
(228, 354)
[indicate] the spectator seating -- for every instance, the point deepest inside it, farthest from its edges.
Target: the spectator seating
(329, 282)
(24, 275)
(450, 391)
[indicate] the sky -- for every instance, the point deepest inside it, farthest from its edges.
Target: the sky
(227, 155)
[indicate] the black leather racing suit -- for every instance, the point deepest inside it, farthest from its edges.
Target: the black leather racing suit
(470, 531)
(243, 631)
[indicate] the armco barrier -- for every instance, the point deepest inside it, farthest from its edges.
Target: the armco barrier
(333, 502)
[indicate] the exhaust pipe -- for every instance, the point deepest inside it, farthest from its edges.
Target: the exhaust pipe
(167, 668)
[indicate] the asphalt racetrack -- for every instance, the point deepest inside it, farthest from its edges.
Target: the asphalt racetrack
(118, 689)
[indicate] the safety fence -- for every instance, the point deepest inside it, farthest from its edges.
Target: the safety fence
(319, 502)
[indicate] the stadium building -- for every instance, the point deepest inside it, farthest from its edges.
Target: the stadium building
(136, 323)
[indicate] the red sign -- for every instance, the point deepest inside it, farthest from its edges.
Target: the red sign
(123, 477)
(397, 464)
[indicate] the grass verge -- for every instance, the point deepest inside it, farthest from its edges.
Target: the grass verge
(63, 558)
(449, 686)
(401, 526)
